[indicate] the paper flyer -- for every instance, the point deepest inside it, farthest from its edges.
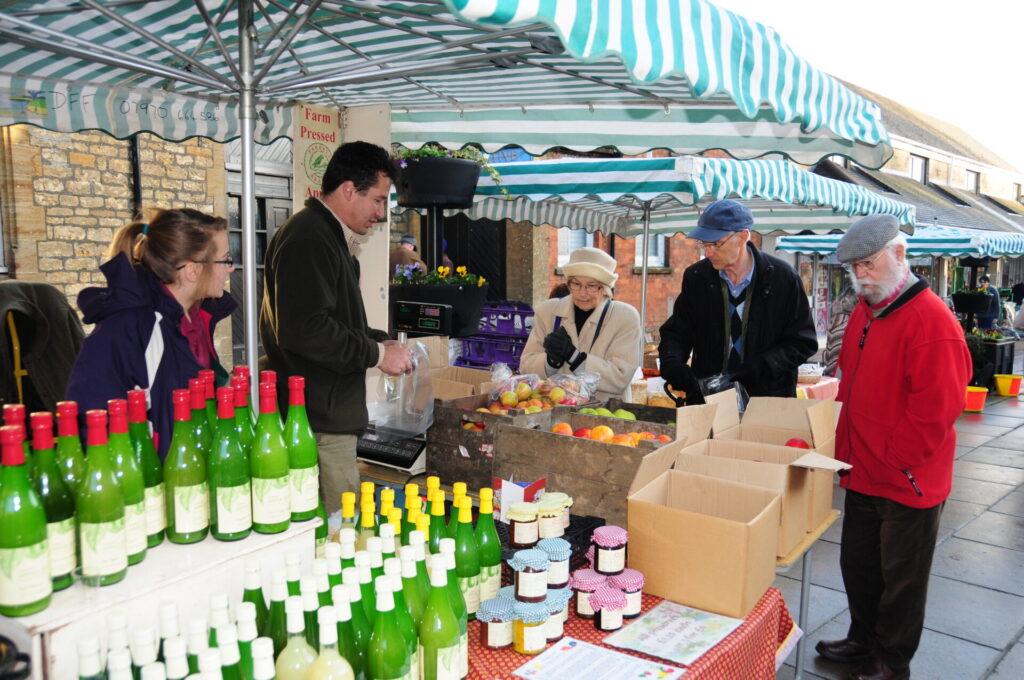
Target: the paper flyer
(674, 632)
(571, 658)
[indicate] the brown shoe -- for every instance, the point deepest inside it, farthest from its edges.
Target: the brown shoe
(843, 651)
(876, 670)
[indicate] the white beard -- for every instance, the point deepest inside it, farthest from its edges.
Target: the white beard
(882, 290)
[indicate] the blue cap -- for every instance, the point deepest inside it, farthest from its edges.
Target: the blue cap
(722, 218)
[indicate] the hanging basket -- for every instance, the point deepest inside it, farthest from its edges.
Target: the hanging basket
(437, 182)
(467, 302)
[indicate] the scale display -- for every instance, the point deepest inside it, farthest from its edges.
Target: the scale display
(421, 318)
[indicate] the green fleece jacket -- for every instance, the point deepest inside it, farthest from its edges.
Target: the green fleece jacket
(313, 323)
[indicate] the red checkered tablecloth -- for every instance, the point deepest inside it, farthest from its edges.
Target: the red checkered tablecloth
(748, 653)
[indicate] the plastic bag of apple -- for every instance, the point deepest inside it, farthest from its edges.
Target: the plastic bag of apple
(530, 393)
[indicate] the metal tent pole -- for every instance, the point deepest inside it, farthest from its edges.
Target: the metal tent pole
(643, 283)
(247, 122)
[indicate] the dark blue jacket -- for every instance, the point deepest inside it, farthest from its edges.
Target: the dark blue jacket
(113, 357)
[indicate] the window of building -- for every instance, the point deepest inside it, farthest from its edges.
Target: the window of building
(919, 168)
(570, 240)
(972, 181)
(657, 251)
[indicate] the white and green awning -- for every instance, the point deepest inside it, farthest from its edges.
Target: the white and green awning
(611, 195)
(635, 74)
(927, 241)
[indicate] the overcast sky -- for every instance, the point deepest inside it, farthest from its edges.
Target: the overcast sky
(962, 62)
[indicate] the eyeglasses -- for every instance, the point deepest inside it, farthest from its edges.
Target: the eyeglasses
(715, 245)
(227, 262)
(589, 287)
(867, 265)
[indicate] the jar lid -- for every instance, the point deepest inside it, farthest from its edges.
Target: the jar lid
(507, 593)
(532, 612)
(605, 597)
(550, 507)
(628, 579)
(610, 536)
(587, 579)
(522, 512)
(498, 609)
(558, 549)
(529, 559)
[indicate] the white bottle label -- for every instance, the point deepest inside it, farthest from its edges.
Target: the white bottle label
(610, 561)
(534, 637)
(470, 587)
(446, 664)
(524, 533)
(490, 582)
(499, 633)
(61, 537)
(558, 572)
(24, 574)
(104, 547)
(532, 584)
(551, 527)
(234, 508)
(191, 508)
(156, 512)
(305, 488)
(583, 607)
(135, 527)
(634, 602)
(271, 500)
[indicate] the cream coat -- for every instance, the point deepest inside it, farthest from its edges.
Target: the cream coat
(614, 356)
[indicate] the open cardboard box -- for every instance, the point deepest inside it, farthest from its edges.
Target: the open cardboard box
(704, 542)
(776, 420)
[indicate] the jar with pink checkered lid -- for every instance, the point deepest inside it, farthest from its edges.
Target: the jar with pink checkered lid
(631, 582)
(609, 549)
(584, 582)
(608, 604)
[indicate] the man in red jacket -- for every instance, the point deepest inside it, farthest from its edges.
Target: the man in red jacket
(903, 369)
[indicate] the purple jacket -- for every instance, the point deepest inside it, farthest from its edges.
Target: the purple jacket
(113, 357)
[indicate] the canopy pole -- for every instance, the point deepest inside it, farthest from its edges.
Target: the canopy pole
(643, 282)
(247, 120)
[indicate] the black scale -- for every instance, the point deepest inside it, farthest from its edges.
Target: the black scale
(421, 318)
(406, 455)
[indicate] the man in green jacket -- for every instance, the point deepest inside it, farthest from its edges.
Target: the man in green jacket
(313, 323)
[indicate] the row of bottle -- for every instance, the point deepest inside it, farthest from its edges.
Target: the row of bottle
(102, 511)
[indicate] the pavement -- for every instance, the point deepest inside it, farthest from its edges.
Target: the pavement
(975, 615)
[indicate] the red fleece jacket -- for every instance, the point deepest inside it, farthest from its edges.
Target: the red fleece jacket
(902, 384)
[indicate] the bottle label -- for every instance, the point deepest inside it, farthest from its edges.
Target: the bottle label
(490, 582)
(156, 512)
(61, 537)
(532, 584)
(271, 500)
(558, 572)
(191, 508)
(551, 527)
(499, 633)
(470, 587)
(135, 527)
(610, 561)
(305, 488)
(103, 547)
(534, 637)
(234, 508)
(24, 574)
(446, 665)
(524, 533)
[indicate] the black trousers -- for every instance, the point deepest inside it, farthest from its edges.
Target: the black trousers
(886, 556)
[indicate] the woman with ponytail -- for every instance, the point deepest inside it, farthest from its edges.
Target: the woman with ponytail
(154, 320)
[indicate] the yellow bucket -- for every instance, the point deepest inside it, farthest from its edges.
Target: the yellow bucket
(976, 399)
(1008, 385)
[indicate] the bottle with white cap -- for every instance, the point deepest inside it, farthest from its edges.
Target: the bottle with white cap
(323, 583)
(348, 640)
(119, 664)
(293, 571)
(253, 592)
(263, 659)
(332, 556)
(295, 659)
(310, 603)
(175, 659)
(153, 671)
(388, 655)
(347, 541)
(329, 664)
(410, 585)
(456, 600)
(89, 666)
(230, 659)
(209, 664)
(219, 615)
(144, 649)
(170, 627)
(197, 642)
(276, 628)
(245, 620)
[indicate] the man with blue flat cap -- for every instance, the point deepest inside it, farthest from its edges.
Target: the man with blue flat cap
(741, 313)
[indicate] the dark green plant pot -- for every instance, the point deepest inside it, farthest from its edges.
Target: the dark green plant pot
(467, 302)
(437, 182)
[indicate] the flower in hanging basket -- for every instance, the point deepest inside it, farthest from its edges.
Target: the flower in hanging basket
(405, 156)
(440, 276)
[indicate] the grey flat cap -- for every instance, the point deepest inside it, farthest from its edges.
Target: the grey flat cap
(867, 236)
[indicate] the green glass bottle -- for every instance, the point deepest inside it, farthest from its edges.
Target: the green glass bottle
(388, 655)
(304, 471)
(410, 585)
(202, 433)
(16, 414)
(488, 547)
(439, 629)
(458, 492)
(57, 501)
(458, 603)
(188, 497)
(209, 379)
(242, 372)
(129, 476)
(228, 470)
(361, 626)
(438, 530)
(152, 470)
(70, 457)
(268, 465)
(243, 414)
(100, 508)
(253, 593)
(347, 640)
(276, 628)
(25, 585)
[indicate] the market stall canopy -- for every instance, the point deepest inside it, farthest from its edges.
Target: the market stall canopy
(611, 195)
(925, 242)
(634, 74)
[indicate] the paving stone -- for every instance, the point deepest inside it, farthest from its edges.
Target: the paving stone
(1012, 504)
(986, 472)
(1011, 666)
(981, 564)
(955, 515)
(941, 656)
(997, 456)
(994, 528)
(977, 491)
(825, 602)
(973, 613)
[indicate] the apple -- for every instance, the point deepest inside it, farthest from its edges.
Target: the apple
(798, 443)
(583, 432)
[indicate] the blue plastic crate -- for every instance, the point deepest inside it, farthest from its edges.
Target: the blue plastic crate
(507, 318)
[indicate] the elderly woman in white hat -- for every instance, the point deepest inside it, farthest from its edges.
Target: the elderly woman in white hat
(586, 331)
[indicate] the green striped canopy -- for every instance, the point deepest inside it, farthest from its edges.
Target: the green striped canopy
(635, 74)
(927, 241)
(610, 195)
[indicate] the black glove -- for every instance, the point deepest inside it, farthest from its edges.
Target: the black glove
(560, 350)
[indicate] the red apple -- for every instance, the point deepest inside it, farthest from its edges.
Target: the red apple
(798, 443)
(582, 432)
